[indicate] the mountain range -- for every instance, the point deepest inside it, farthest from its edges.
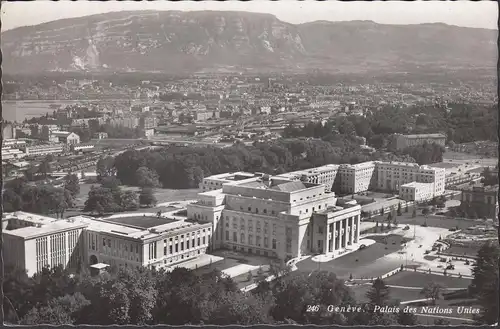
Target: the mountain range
(214, 41)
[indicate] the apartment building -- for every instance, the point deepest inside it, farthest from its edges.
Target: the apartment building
(404, 141)
(416, 191)
(357, 177)
(372, 175)
(483, 199)
(273, 216)
(33, 242)
(128, 122)
(392, 175)
(43, 149)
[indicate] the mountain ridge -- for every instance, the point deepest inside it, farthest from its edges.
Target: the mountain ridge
(194, 41)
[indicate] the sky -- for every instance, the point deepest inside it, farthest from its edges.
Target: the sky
(483, 14)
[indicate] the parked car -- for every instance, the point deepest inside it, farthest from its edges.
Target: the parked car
(362, 247)
(427, 252)
(450, 267)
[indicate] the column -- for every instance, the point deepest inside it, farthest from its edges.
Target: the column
(351, 228)
(334, 231)
(358, 227)
(341, 234)
(327, 238)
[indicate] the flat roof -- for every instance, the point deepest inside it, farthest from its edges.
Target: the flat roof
(145, 222)
(446, 165)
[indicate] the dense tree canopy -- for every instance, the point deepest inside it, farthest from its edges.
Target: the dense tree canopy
(185, 167)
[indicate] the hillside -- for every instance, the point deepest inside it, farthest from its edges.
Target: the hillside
(210, 41)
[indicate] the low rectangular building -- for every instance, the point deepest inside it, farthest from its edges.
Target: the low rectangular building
(404, 141)
(45, 149)
(483, 199)
(416, 191)
(33, 242)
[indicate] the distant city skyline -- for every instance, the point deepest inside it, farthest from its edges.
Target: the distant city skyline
(483, 14)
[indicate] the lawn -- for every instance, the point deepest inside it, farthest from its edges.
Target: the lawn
(433, 221)
(470, 250)
(417, 279)
(162, 195)
(395, 293)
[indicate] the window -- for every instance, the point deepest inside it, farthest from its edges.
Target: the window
(204, 240)
(182, 246)
(249, 208)
(242, 238)
(176, 247)
(164, 251)
(250, 239)
(187, 244)
(170, 249)
(320, 229)
(227, 235)
(198, 242)
(274, 243)
(234, 237)
(266, 242)
(265, 211)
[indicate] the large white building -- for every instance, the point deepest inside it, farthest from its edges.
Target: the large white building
(32, 242)
(215, 182)
(276, 217)
(43, 149)
(372, 175)
(320, 175)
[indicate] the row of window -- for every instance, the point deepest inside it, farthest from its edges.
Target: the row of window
(172, 249)
(250, 240)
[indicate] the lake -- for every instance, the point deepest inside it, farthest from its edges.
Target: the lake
(20, 110)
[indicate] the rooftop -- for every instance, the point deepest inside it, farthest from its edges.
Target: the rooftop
(145, 222)
(425, 136)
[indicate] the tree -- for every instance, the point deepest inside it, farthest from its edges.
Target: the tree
(432, 291)
(425, 211)
(381, 211)
(59, 311)
(72, 184)
(110, 182)
(129, 200)
(105, 167)
(399, 213)
(249, 276)
(146, 197)
(442, 322)
(146, 177)
(414, 213)
(406, 208)
(100, 200)
(484, 285)
(44, 168)
(389, 217)
(378, 295)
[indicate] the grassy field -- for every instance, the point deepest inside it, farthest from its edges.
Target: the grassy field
(162, 195)
(470, 250)
(417, 279)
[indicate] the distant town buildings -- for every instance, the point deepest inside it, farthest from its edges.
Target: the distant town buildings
(8, 131)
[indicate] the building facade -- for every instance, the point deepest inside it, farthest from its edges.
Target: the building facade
(43, 149)
(372, 175)
(33, 242)
(482, 199)
(404, 141)
(273, 216)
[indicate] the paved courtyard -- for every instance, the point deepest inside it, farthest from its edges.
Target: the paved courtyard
(366, 263)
